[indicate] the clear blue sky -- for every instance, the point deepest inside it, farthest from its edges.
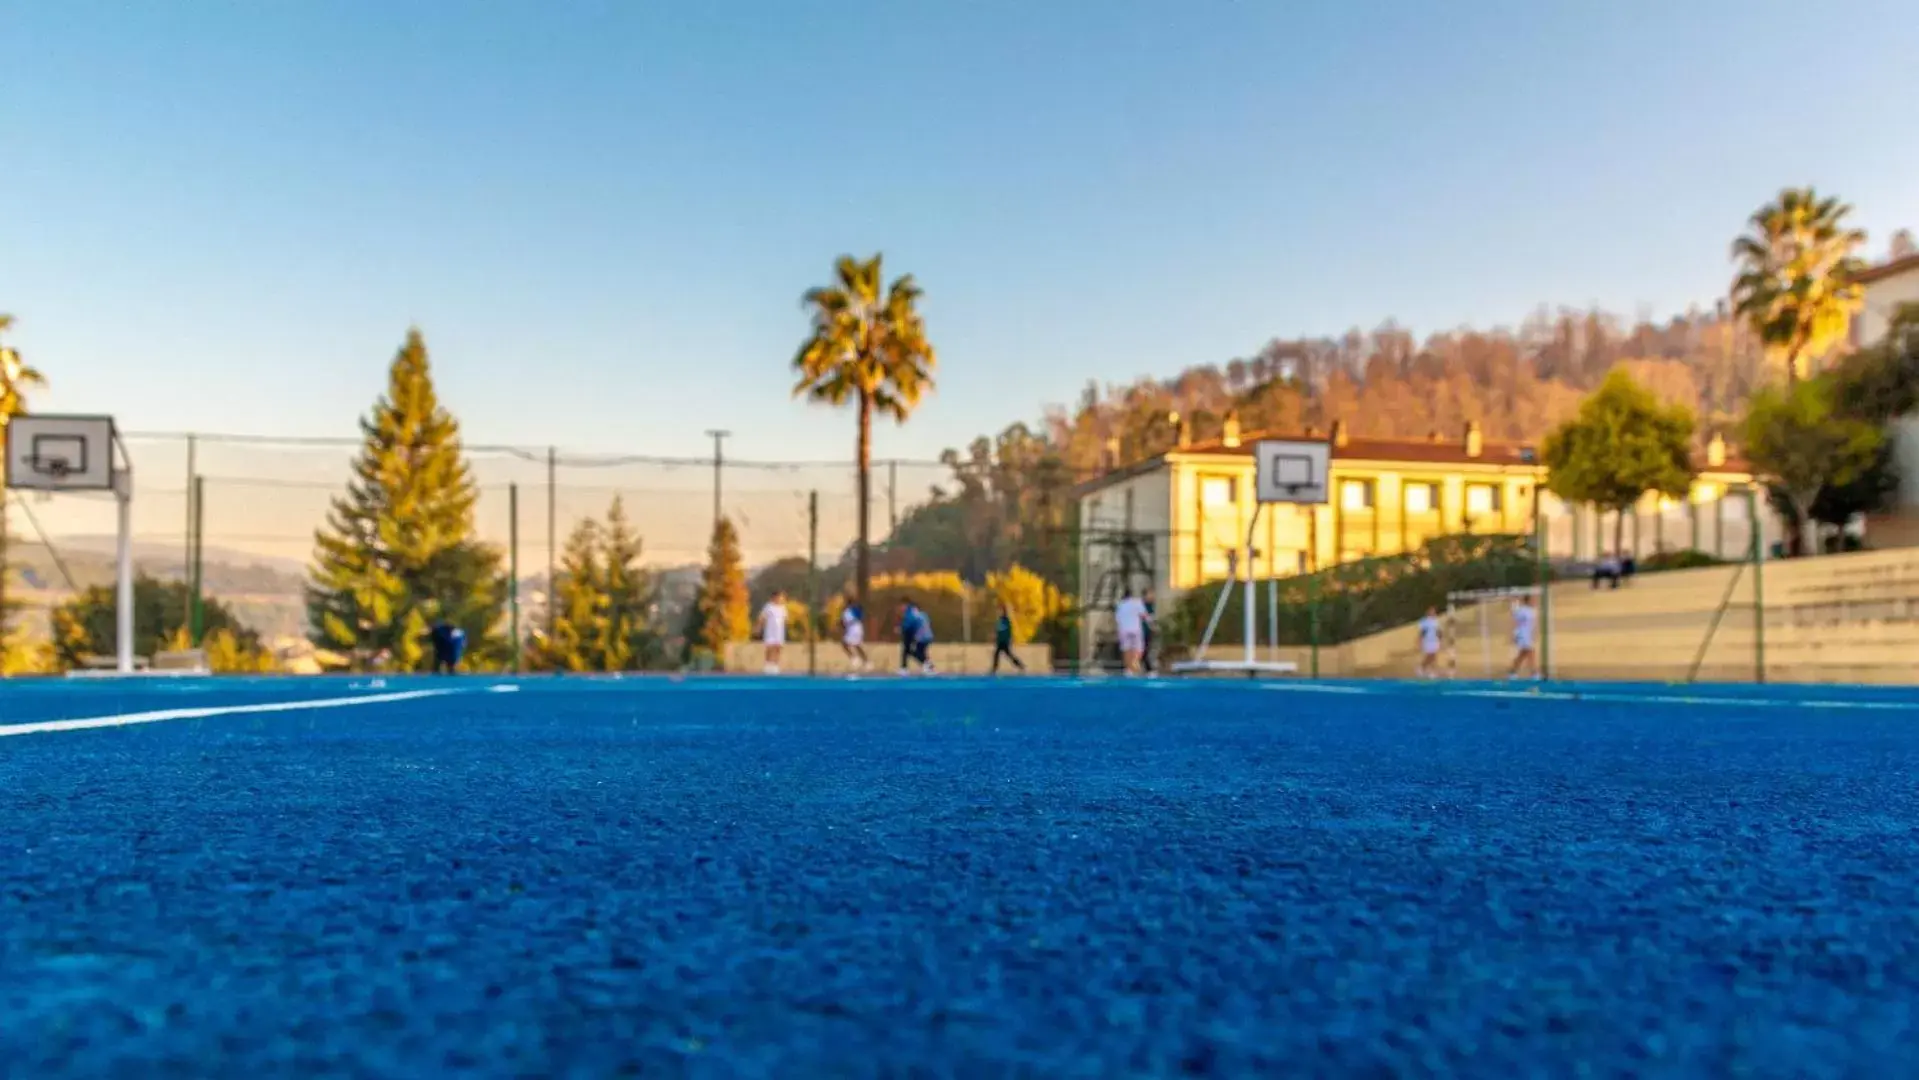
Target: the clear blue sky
(224, 215)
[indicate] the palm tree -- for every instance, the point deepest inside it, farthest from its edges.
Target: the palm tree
(15, 379)
(868, 346)
(1795, 285)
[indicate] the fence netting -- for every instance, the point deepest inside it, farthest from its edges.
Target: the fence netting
(264, 498)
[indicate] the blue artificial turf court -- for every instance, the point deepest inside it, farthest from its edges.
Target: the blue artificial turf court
(944, 877)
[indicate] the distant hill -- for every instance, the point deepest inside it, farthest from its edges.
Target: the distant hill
(266, 593)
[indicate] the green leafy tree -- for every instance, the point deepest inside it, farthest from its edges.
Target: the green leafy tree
(230, 654)
(1623, 444)
(868, 347)
(16, 378)
(1881, 382)
(579, 606)
(85, 626)
(1795, 286)
(398, 551)
(628, 639)
(719, 612)
(1801, 443)
(1837, 504)
(1010, 501)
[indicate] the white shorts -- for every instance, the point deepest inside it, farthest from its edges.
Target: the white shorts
(773, 639)
(1132, 641)
(1429, 648)
(855, 635)
(1522, 642)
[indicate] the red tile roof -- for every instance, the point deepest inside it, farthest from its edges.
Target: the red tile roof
(1414, 451)
(1425, 451)
(1889, 268)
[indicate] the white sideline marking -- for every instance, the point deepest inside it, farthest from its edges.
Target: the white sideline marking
(1618, 698)
(159, 715)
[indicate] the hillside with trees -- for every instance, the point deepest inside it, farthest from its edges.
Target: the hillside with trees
(1010, 496)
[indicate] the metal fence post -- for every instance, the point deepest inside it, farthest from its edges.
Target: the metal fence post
(813, 612)
(186, 570)
(552, 539)
(1758, 586)
(1312, 619)
(1543, 578)
(198, 496)
(513, 567)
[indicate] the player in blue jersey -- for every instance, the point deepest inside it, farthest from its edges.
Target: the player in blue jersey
(916, 638)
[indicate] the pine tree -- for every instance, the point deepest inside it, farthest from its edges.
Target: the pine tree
(719, 613)
(398, 551)
(579, 606)
(628, 641)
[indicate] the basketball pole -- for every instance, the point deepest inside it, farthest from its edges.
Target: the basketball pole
(1251, 614)
(123, 602)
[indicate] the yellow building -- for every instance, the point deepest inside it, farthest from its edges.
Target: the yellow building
(1184, 513)
(1888, 286)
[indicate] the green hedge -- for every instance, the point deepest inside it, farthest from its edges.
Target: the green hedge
(1360, 598)
(1687, 559)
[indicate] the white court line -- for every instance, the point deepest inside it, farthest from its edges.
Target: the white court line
(160, 715)
(1618, 698)
(1614, 698)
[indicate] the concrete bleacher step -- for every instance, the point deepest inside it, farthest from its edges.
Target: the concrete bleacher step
(1851, 617)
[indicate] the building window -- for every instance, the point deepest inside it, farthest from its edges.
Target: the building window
(1422, 498)
(1355, 495)
(1218, 525)
(1482, 499)
(1216, 491)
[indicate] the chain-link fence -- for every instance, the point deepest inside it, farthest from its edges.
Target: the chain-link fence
(263, 498)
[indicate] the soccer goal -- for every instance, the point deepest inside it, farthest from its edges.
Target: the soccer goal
(1285, 471)
(1479, 630)
(81, 455)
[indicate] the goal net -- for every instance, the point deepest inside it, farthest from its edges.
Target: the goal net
(1479, 630)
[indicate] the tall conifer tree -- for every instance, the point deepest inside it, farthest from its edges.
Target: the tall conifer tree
(398, 551)
(579, 605)
(628, 641)
(719, 615)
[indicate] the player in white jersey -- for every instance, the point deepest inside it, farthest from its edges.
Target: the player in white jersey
(1525, 638)
(772, 631)
(853, 634)
(1430, 639)
(1132, 618)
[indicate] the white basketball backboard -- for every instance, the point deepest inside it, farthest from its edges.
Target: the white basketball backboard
(1292, 471)
(60, 453)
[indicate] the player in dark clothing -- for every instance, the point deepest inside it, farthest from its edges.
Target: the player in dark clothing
(449, 645)
(1146, 638)
(1003, 640)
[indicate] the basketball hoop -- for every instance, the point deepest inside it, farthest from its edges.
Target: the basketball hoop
(54, 468)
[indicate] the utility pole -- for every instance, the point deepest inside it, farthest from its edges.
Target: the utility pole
(892, 498)
(813, 582)
(719, 461)
(193, 470)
